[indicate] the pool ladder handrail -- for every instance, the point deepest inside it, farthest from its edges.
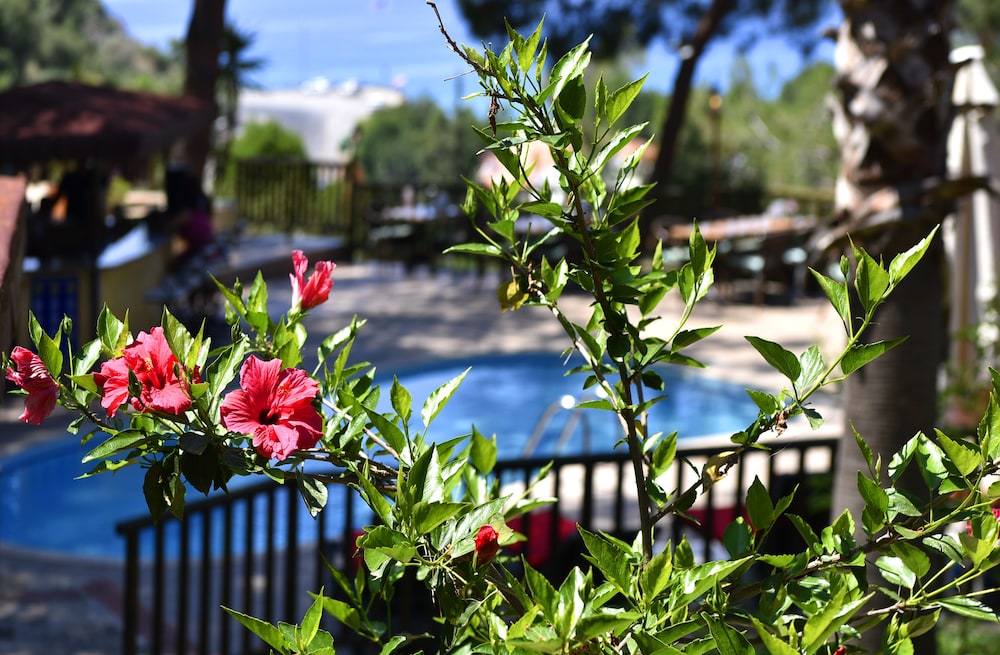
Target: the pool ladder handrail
(577, 414)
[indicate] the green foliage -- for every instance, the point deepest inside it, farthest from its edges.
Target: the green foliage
(899, 565)
(268, 139)
(44, 39)
(417, 143)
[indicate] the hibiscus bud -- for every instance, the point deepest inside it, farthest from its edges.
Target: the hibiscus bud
(487, 544)
(308, 293)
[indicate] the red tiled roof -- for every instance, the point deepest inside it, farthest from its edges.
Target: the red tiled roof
(67, 120)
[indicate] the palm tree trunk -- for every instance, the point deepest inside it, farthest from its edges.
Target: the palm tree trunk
(892, 117)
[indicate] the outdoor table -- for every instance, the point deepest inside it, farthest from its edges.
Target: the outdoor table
(744, 227)
(412, 234)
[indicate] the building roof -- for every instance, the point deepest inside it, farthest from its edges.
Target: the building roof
(67, 120)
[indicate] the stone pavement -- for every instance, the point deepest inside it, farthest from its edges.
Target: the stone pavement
(58, 605)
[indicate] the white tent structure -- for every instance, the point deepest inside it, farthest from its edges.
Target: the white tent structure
(972, 234)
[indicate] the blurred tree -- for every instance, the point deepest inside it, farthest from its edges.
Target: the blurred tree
(417, 143)
(979, 22)
(20, 33)
(259, 140)
(77, 39)
(268, 139)
(202, 47)
(687, 26)
(235, 69)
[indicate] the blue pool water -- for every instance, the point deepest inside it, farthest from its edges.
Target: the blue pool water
(42, 506)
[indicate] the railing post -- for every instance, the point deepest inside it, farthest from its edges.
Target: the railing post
(291, 554)
(130, 594)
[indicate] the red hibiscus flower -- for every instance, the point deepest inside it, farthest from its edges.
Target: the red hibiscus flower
(149, 358)
(275, 407)
(32, 376)
(487, 544)
(315, 291)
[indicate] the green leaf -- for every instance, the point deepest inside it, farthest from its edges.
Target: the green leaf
(475, 249)
(612, 557)
(313, 492)
(425, 480)
(860, 354)
(988, 430)
(524, 49)
(782, 360)
(125, 440)
(727, 640)
(807, 533)
(483, 452)
(839, 298)
(654, 578)
(759, 505)
(573, 99)
(930, 460)
(773, 644)
(896, 572)
(428, 515)
(831, 618)
(112, 333)
(310, 622)
(767, 403)
(685, 338)
(48, 347)
(812, 367)
(402, 402)
(964, 456)
(343, 612)
(390, 432)
(440, 397)
(621, 99)
(904, 262)
(695, 581)
(152, 489)
(614, 146)
(970, 607)
(873, 494)
(871, 280)
(738, 538)
(946, 545)
(570, 66)
(267, 632)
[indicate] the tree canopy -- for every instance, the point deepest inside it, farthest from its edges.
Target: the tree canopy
(686, 26)
(77, 39)
(417, 142)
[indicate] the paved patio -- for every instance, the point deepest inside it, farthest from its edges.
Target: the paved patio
(55, 604)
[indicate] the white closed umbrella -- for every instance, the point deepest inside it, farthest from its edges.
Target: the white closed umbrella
(972, 234)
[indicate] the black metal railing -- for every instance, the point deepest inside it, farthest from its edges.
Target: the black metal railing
(258, 551)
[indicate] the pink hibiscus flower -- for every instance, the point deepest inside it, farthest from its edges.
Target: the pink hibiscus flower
(315, 291)
(149, 358)
(31, 375)
(274, 406)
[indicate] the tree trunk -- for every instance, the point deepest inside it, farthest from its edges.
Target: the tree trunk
(891, 119)
(694, 47)
(203, 45)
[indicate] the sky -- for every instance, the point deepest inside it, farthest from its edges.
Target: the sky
(397, 43)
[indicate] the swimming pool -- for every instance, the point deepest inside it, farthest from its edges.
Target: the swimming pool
(43, 507)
